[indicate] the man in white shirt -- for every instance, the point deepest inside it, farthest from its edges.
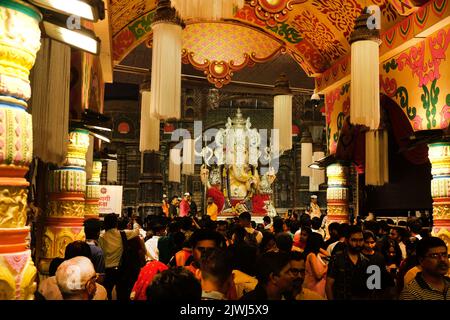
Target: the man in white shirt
(316, 227)
(111, 243)
(314, 208)
(152, 244)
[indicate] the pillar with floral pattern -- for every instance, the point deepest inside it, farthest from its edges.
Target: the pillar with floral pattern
(439, 155)
(337, 194)
(64, 217)
(19, 43)
(93, 192)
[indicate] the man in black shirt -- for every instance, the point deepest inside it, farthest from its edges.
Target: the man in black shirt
(347, 271)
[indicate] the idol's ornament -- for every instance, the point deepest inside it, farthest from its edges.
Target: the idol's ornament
(91, 209)
(65, 212)
(19, 43)
(439, 155)
(337, 194)
(232, 178)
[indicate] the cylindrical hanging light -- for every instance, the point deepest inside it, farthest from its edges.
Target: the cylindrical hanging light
(166, 63)
(307, 153)
(207, 9)
(188, 157)
(365, 83)
(150, 127)
(282, 113)
(317, 176)
(174, 165)
(377, 158)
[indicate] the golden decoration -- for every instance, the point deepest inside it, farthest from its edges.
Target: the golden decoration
(13, 207)
(441, 211)
(66, 209)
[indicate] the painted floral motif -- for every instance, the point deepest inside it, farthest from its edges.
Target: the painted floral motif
(319, 35)
(445, 113)
(390, 65)
(417, 123)
(342, 14)
(122, 43)
(248, 14)
(429, 99)
(389, 86)
(312, 56)
(141, 27)
(387, 10)
(273, 12)
(403, 95)
(288, 32)
(426, 71)
(330, 100)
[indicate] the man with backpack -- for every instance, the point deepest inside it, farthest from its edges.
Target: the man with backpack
(253, 237)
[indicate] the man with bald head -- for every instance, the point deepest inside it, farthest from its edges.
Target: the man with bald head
(76, 279)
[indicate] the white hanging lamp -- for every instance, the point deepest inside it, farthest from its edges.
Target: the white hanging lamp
(377, 158)
(188, 157)
(365, 83)
(282, 113)
(150, 126)
(175, 165)
(167, 29)
(306, 153)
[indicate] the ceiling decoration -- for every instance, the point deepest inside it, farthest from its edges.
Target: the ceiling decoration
(273, 12)
(409, 29)
(406, 7)
(219, 49)
(314, 32)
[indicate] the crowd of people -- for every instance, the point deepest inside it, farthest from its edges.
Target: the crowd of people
(296, 258)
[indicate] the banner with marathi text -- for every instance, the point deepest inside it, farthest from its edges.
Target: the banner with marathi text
(110, 199)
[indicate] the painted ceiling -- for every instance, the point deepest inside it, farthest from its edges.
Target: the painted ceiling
(314, 32)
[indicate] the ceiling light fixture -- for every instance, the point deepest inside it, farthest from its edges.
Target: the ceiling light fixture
(91, 10)
(83, 38)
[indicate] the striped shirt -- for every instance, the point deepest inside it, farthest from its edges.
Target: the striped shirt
(419, 289)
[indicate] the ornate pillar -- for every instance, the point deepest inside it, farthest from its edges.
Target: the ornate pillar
(337, 194)
(93, 192)
(439, 155)
(63, 220)
(19, 42)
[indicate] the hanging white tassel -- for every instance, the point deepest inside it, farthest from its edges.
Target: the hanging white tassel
(174, 165)
(377, 157)
(49, 104)
(166, 71)
(365, 74)
(150, 126)
(188, 157)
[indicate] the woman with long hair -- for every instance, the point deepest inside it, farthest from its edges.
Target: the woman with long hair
(316, 268)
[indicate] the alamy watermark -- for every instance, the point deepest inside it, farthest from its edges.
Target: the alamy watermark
(374, 21)
(73, 22)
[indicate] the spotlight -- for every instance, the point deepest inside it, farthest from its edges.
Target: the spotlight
(315, 98)
(323, 162)
(82, 38)
(91, 10)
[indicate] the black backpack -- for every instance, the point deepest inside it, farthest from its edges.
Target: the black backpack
(250, 238)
